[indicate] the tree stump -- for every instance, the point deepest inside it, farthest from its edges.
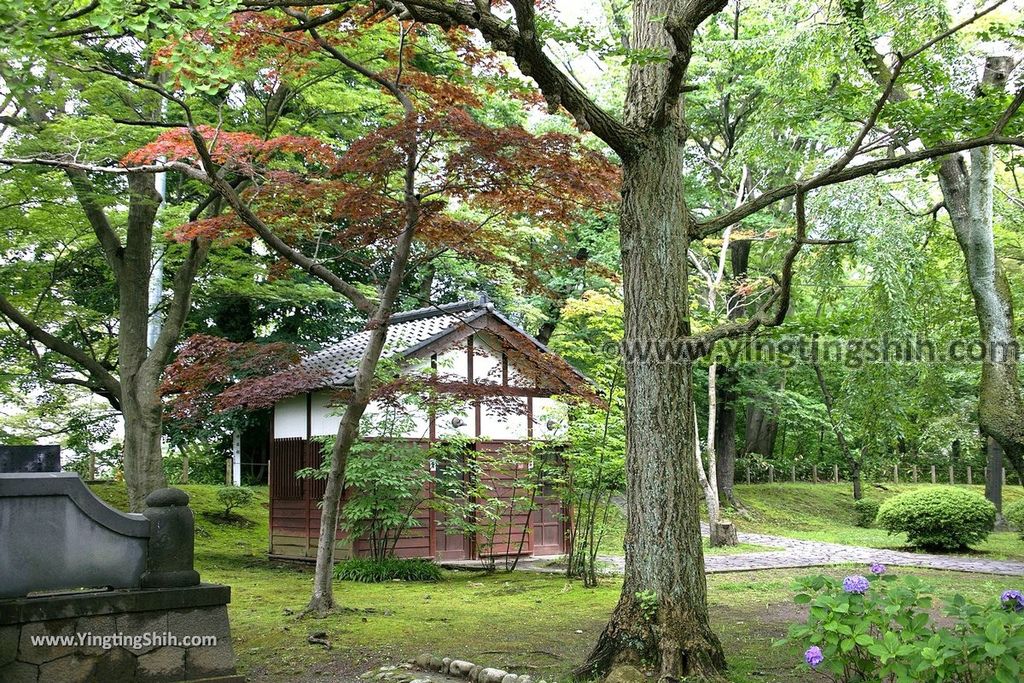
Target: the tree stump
(723, 533)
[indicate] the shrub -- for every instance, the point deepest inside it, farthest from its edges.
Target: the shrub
(867, 510)
(880, 629)
(368, 570)
(234, 496)
(939, 518)
(1014, 513)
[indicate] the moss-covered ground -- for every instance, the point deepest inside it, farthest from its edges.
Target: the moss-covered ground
(541, 624)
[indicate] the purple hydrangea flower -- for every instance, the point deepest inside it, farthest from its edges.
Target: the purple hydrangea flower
(877, 568)
(813, 656)
(855, 584)
(1013, 600)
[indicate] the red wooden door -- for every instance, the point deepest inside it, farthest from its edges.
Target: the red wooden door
(548, 525)
(509, 533)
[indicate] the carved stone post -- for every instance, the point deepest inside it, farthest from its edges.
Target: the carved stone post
(171, 541)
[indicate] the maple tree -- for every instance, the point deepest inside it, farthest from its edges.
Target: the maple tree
(387, 192)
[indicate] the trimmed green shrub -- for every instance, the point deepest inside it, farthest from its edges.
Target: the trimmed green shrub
(939, 518)
(1014, 513)
(368, 570)
(867, 510)
(232, 497)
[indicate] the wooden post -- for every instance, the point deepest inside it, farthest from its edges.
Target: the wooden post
(792, 474)
(970, 479)
(896, 473)
(814, 473)
(184, 468)
(771, 474)
(915, 474)
(835, 474)
(952, 479)
(933, 475)
(748, 472)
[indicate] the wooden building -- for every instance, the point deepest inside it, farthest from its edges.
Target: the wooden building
(469, 349)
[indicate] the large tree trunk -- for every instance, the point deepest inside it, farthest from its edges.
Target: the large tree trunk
(140, 402)
(662, 614)
(968, 198)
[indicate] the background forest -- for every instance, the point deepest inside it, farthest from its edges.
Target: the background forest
(773, 81)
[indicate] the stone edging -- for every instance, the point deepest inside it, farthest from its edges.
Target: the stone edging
(458, 668)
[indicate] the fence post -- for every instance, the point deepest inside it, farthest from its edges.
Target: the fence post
(748, 472)
(835, 474)
(915, 474)
(952, 479)
(896, 474)
(792, 474)
(814, 473)
(771, 474)
(933, 475)
(970, 479)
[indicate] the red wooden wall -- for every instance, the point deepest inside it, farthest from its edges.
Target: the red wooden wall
(295, 516)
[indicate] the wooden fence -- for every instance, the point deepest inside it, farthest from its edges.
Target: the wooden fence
(764, 473)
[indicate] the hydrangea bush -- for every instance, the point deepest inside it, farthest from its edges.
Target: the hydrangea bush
(878, 628)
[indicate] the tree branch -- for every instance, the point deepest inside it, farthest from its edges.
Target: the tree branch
(829, 177)
(100, 375)
(524, 45)
(681, 27)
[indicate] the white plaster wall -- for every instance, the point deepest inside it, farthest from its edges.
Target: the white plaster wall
(451, 365)
(516, 378)
(325, 417)
(502, 424)
(548, 409)
(486, 360)
(465, 412)
(290, 418)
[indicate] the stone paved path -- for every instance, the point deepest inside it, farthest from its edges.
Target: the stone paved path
(798, 553)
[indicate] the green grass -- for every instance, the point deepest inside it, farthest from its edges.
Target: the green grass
(615, 529)
(824, 512)
(536, 623)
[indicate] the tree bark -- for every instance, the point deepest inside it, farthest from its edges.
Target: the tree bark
(725, 424)
(725, 437)
(664, 557)
(994, 481)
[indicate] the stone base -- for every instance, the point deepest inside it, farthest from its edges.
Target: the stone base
(150, 636)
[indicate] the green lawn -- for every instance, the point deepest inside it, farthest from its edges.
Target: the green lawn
(541, 624)
(824, 512)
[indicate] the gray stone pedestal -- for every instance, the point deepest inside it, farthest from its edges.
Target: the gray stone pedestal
(149, 636)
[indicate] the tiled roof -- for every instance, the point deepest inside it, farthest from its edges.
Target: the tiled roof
(408, 332)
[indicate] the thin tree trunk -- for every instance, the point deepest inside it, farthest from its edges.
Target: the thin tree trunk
(994, 481)
(322, 599)
(855, 466)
